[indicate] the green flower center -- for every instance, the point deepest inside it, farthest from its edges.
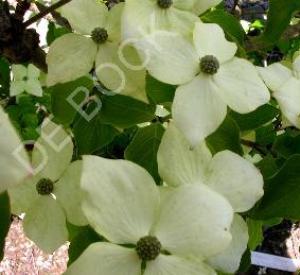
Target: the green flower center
(148, 248)
(45, 187)
(99, 35)
(164, 4)
(209, 64)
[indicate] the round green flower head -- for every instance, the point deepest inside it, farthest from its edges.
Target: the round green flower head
(148, 248)
(209, 64)
(164, 4)
(44, 187)
(99, 35)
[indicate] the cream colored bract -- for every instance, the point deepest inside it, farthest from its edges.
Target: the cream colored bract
(225, 173)
(45, 220)
(14, 162)
(201, 100)
(76, 54)
(123, 204)
(285, 86)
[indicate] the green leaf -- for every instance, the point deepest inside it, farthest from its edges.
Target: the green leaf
(265, 135)
(159, 92)
(4, 78)
(144, 146)
(256, 119)
(255, 230)
(62, 94)
(124, 112)
(4, 220)
(279, 17)
(55, 32)
(282, 193)
(267, 166)
(228, 22)
(84, 237)
(92, 135)
(227, 137)
(286, 145)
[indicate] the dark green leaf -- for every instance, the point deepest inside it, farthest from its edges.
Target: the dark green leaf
(55, 32)
(286, 145)
(282, 193)
(84, 237)
(62, 94)
(124, 112)
(92, 135)
(279, 17)
(4, 78)
(4, 220)
(159, 92)
(265, 135)
(258, 118)
(255, 230)
(267, 166)
(227, 137)
(143, 148)
(228, 22)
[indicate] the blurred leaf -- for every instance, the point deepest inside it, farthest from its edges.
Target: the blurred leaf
(258, 118)
(255, 230)
(282, 193)
(4, 220)
(227, 137)
(279, 17)
(124, 112)
(80, 241)
(159, 92)
(286, 145)
(92, 135)
(265, 135)
(62, 94)
(144, 146)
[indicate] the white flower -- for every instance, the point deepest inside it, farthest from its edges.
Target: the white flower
(52, 195)
(209, 75)
(173, 232)
(26, 79)
(96, 42)
(13, 170)
(143, 17)
(226, 173)
(285, 86)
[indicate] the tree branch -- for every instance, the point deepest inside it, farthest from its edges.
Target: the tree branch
(45, 12)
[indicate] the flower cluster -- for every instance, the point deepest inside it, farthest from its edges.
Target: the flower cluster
(192, 222)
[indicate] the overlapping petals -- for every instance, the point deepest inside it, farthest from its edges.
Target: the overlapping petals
(123, 204)
(225, 173)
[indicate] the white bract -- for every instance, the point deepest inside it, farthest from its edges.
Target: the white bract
(14, 161)
(225, 173)
(96, 42)
(53, 194)
(25, 79)
(210, 78)
(184, 226)
(144, 17)
(285, 86)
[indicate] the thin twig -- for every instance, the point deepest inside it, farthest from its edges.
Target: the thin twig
(45, 12)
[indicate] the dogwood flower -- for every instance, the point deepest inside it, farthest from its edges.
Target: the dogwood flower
(52, 195)
(285, 84)
(13, 171)
(96, 42)
(26, 79)
(143, 17)
(209, 75)
(173, 232)
(225, 173)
